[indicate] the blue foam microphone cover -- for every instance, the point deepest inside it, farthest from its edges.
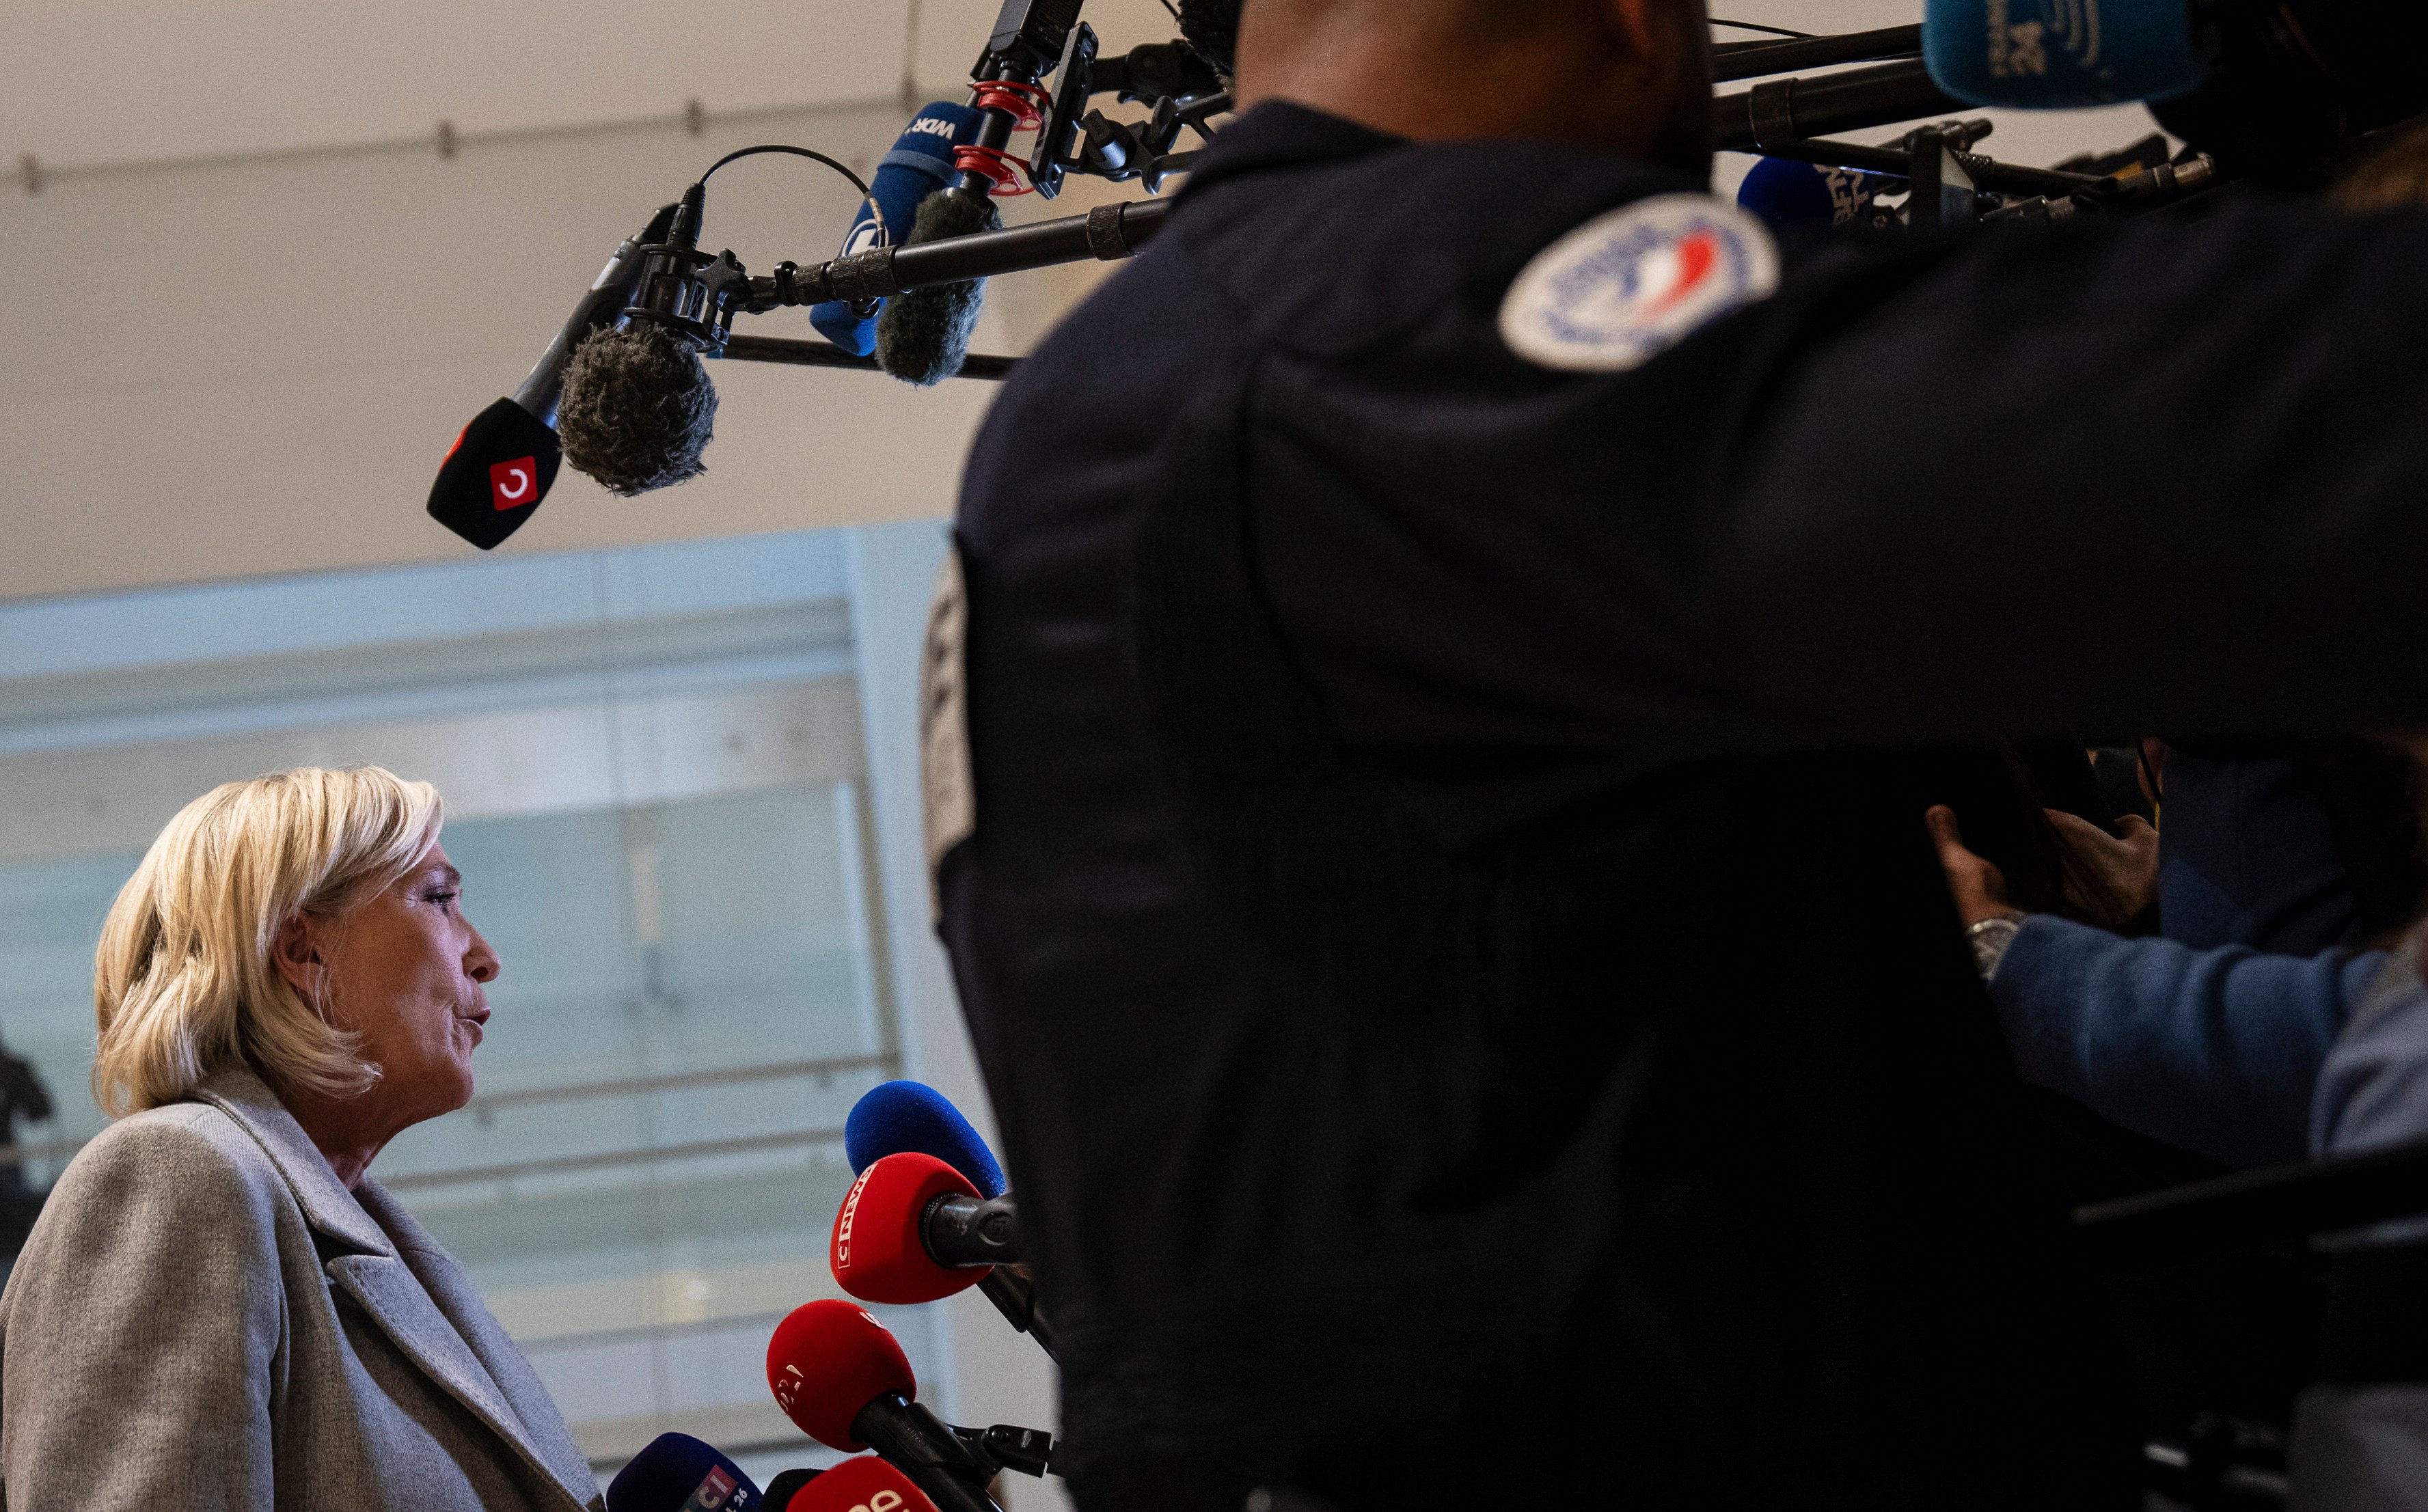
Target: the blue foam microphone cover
(679, 1474)
(2060, 55)
(1804, 197)
(920, 164)
(896, 1116)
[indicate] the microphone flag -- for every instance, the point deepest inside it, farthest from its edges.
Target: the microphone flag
(920, 164)
(2037, 55)
(497, 471)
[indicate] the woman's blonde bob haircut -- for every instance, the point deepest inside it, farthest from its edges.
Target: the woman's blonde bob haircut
(183, 983)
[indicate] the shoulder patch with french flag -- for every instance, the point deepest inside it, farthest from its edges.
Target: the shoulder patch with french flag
(1625, 286)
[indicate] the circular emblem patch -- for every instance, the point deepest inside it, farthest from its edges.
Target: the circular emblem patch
(1625, 286)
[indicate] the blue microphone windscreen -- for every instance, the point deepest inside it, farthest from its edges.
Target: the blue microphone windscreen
(906, 1115)
(2060, 55)
(920, 164)
(1799, 197)
(679, 1474)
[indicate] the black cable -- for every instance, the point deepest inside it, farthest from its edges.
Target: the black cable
(797, 152)
(1774, 31)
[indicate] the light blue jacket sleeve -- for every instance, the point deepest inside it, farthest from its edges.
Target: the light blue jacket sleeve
(2213, 1051)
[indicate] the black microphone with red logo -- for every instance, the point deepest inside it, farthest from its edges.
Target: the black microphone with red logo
(505, 461)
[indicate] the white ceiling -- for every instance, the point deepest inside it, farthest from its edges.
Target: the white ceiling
(100, 81)
(90, 82)
(94, 82)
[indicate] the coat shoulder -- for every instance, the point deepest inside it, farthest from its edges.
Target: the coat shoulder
(190, 1160)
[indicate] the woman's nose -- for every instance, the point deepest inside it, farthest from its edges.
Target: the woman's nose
(481, 963)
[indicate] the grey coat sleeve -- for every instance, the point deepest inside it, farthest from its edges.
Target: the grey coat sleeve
(141, 1332)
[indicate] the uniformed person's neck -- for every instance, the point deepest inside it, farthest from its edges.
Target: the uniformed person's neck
(1626, 75)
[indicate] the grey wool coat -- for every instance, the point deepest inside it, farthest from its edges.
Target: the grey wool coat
(206, 1318)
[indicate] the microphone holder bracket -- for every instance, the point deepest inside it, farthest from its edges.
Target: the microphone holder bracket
(692, 293)
(961, 1230)
(935, 1456)
(1028, 1451)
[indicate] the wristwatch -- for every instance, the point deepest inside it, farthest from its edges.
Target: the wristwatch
(1990, 939)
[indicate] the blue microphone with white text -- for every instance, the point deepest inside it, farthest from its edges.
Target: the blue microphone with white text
(920, 164)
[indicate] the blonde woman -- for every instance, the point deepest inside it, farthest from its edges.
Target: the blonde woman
(218, 1308)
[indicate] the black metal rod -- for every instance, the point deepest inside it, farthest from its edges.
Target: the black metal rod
(1755, 60)
(1107, 234)
(1012, 250)
(1789, 110)
(2270, 1205)
(820, 354)
(2009, 178)
(1832, 154)
(914, 1441)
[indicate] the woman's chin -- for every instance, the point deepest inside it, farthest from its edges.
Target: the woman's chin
(462, 1065)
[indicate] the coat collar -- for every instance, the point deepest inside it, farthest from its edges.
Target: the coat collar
(421, 1299)
(328, 1207)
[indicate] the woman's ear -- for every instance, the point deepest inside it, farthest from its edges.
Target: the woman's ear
(295, 952)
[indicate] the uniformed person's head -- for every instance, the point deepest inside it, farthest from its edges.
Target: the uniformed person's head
(1631, 75)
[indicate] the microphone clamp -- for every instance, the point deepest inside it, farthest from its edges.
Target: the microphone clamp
(693, 294)
(1028, 1451)
(963, 1231)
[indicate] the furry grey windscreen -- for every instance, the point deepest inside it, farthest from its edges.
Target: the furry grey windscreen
(924, 333)
(638, 409)
(1212, 27)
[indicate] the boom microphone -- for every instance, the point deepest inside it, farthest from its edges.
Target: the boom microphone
(844, 1381)
(896, 1116)
(638, 408)
(924, 334)
(920, 164)
(679, 1474)
(502, 463)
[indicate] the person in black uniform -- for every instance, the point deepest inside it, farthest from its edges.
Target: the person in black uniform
(1427, 744)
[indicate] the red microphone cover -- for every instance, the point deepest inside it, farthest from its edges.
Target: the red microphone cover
(877, 1250)
(828, 1361)
(867, 1484)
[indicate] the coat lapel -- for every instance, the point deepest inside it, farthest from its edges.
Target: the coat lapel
(393, 1292)
(397, 1301)
(502, 1364)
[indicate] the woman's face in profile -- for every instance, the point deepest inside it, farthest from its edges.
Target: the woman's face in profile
(407, 973)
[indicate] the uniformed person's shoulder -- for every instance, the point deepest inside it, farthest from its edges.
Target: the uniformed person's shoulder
(1328, 238)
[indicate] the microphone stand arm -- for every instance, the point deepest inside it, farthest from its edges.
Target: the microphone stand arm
(1109, 232)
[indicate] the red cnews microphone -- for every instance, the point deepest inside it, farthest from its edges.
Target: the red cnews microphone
(880, 1250)
(844, 1381)
(866, 1484)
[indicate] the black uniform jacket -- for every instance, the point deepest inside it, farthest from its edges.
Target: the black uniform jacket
(1449, 928)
